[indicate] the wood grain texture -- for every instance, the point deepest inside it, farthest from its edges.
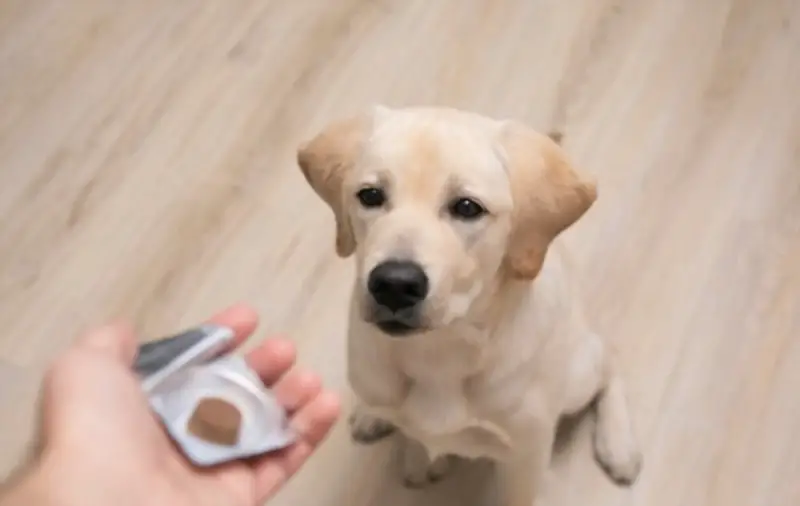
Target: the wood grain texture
(147, 172)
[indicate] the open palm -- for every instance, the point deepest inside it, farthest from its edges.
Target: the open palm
(98, 431)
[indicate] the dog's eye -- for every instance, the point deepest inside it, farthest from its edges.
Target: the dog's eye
(466, 209)
(371, 197)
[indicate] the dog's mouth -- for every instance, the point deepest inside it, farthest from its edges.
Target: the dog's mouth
(396, 328)
(401, 323)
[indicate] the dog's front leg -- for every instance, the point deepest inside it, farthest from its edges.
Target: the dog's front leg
(523, 476)
(376, 383)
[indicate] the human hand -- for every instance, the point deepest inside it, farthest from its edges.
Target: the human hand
(102, 445)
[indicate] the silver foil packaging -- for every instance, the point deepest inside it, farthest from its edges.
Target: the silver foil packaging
(212, 405)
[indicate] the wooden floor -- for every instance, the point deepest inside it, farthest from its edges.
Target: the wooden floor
(147, 171)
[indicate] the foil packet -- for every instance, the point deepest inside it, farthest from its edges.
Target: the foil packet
(213, 405)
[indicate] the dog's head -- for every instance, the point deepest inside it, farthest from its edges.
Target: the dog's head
(438, 206)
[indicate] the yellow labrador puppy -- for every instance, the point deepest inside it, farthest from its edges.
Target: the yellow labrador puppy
(466, 332)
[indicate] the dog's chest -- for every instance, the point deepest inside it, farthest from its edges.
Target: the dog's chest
(446, 422)
(439, 412)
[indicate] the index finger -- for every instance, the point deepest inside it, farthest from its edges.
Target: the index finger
(272, 358)
(240, 318)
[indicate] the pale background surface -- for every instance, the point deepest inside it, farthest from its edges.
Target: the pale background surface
(146, 171)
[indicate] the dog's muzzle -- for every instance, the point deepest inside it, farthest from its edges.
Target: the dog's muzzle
(397, 289)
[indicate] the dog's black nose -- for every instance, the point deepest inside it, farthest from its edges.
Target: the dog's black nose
(398, 284)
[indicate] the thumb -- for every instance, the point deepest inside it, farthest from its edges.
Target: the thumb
(116, 341)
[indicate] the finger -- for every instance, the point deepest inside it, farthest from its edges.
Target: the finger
(117, 341)
(240, 318)
(311, 424)
(271, 359)
(297, 389)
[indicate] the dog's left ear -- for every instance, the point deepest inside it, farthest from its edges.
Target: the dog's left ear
(325, 161)
(549, 196)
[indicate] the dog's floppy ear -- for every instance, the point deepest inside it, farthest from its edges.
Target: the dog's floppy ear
(549, 196)
(325, 160)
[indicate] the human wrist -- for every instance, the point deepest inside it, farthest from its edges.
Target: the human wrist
(56, 482)
(27, 487)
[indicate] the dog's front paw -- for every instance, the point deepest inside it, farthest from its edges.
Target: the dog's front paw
(418, 470)
(416, 477)
(367, 429)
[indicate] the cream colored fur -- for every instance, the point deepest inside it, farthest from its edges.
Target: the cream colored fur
(505, 349)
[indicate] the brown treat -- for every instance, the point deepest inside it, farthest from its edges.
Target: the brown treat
(216, 421)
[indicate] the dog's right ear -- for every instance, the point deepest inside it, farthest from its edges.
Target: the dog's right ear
(325, 161)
